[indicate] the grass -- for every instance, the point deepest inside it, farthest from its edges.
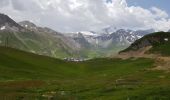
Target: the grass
(156, 40)
(25, 76)
(163, 49)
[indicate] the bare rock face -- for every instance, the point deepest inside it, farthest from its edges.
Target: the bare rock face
(6, 23)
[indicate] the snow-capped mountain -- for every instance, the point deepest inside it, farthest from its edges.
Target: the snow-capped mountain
(108, 43)
(42, 40)
(101, 42)
(124, 37)
(121, 37)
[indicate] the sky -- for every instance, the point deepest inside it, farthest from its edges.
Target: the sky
(162, 4)
(90, 15)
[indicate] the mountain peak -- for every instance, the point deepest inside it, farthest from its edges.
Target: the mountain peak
(27, 24)
(3, 19)
(31, 26)
(6, 23)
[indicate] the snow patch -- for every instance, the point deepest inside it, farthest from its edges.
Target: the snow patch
(3, 28)
(26, 26)
(131, 33)
(139, 36)
(132, 36)
(88, 33)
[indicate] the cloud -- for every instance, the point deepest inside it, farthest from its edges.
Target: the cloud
(81, 15)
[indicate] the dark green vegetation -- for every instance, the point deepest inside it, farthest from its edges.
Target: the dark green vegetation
(162, 47)
(25, 76)
(159, 41)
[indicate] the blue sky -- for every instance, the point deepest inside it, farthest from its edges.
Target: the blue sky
(162, 4)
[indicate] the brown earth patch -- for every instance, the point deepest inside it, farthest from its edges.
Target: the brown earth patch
(162, 63)
(137, 54)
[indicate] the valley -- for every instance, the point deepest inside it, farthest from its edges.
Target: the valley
(29, 76)
(38, 63)
(26, 76)
(29, 37)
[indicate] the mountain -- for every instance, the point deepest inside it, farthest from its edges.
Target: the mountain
(105, 44)
(155, 43)
(27, 36)
(7, 23)
(120, 37)
(79, 38)
(44, 41)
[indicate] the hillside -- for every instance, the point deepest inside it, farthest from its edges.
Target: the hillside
(157, 43)
(29, 37)
(28, 76)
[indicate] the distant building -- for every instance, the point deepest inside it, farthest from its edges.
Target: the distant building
(75, 59)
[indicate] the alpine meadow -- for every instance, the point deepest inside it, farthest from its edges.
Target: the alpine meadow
(84, 50)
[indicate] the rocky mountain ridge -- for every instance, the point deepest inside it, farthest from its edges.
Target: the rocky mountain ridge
(29, 37)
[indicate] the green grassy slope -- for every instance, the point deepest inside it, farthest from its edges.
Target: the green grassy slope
(162, 48)
(25, 76)
(39, 43)
(159, 41)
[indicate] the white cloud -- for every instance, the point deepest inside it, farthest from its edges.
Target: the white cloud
(159, 13)
(83, 15)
